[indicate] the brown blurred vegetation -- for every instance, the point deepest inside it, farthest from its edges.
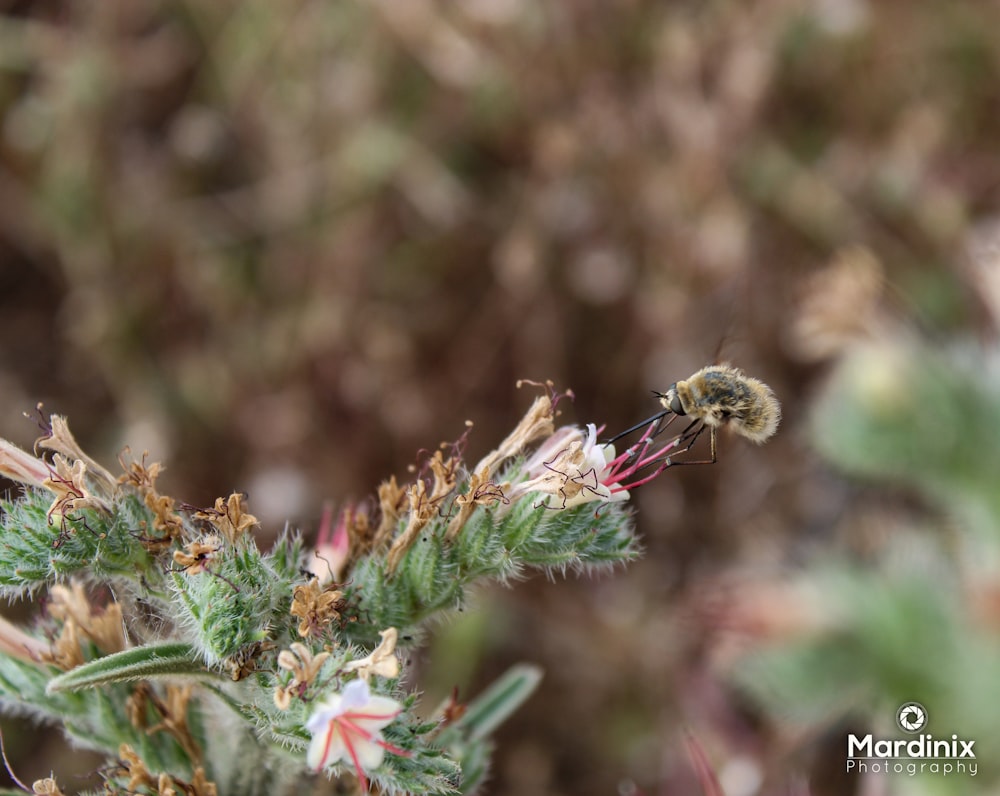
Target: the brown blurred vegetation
(285, 246)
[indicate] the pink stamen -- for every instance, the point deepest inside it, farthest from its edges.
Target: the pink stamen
(376, 716)
(636, 458)
(394, 749)
(325, 535)
(350, 725)
(326, 746)
(368, 736)
(354, 755)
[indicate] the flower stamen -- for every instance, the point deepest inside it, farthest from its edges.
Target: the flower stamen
(635, 459)
(349, 745)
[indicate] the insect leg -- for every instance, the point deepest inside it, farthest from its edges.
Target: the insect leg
(689, 435)
(711, 436)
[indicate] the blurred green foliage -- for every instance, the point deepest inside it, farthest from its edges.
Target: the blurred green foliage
(922, 416)
(917, 619)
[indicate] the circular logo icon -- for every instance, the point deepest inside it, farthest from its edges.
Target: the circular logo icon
(911, 717)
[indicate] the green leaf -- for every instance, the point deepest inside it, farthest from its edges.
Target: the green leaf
(140, 663)
(492, 707)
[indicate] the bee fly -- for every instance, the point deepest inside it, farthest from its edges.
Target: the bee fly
(713, 397)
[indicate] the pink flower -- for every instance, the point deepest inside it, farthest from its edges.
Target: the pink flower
(333, 547)
(347, 726)
(18, 644)
(18, 465)
(67, 480)
(572, 467)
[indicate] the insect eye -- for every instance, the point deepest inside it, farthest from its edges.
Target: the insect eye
(675, 402)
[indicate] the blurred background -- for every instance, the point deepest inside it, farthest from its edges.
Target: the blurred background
(284, 246)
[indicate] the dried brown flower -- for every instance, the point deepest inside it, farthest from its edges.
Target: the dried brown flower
(339, 543)
(201, 785)
(536, 424)
(359, 530)
(197, 554)
(283, 696)
(164, 785)
(303, 665)
(244, 662)
(382, 660)
(391, 500)
(103, 627)
(142, 477)
(68, 482)
(422, 505)
(421, 511)
(165, 520)
(229, 517)
(60, 440)
(135, 706)
(173, 712)
(46, 787)
(138, 474)
(65, 652)
(480, 492)
(316, 606)
(132, 765)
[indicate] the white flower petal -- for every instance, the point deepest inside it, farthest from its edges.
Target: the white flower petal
(327, 747)
(388, 667)
(356, 695)
(325, 712)
(369, 753)
(590, 494)
(379, 712)
(382, 660)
